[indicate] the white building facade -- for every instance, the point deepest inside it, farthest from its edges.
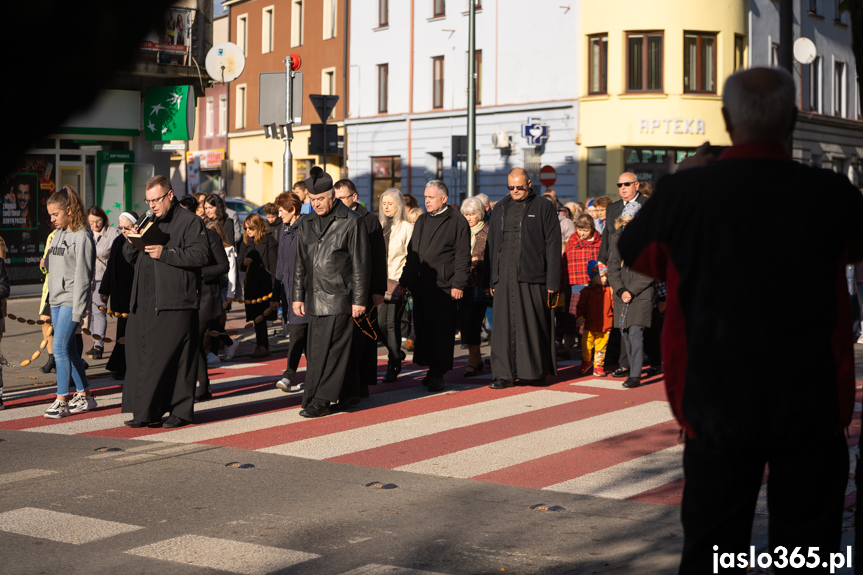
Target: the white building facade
(828, 131)
(407, 113)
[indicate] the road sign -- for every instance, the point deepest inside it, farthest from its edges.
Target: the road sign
(547, 175)
(168, 147)
(271, 98)
(324, 104)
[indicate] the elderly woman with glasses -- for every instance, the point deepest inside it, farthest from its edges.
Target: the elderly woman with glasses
(471, 308)
(103, 236)
(116, 289)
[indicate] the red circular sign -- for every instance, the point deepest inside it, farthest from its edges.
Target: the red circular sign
(547, 175)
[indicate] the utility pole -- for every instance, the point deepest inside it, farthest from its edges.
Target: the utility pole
(786, 46)
(471, 102)
(287, 175)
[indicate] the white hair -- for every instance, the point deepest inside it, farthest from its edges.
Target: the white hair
(760, 102)
(484, 199)
(473, 205)
(396, 195)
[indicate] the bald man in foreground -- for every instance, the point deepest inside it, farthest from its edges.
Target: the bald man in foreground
(523, 251)
(721, 266)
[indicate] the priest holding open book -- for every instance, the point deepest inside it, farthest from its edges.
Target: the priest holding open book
(167, 253)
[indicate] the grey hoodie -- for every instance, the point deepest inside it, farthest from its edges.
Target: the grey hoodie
(70, 264)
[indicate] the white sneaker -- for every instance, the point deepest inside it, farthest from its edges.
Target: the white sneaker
(297, 386)
(57, 410)
(213, 359)
(81, 403)
(860, 339)
(231, 350)
(284, 384)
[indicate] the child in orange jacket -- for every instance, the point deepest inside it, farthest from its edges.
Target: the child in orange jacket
(594, 311)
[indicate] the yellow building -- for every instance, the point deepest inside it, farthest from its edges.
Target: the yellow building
(258, 163)
(651, 85)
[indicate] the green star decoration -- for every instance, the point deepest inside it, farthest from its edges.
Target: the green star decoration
(107, 212)
(117, 205)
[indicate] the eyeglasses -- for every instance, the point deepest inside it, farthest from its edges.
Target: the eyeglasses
(621, 184)
(125, 229)
(520, 188)
(157, 200)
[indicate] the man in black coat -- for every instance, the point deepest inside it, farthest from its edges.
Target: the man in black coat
(740, 415)
(163, 325)
(437, 272)
(524, 270)
(627, 187)
(332, 272)
(365, 345)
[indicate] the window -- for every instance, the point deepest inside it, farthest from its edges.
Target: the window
(840, 16)
(477, 63)
(209, 118)
(267, 30)
(813, 7)
(739, 52)
(240, 119)
(330, 7)
(383, 13)
(774, 54)
(439, 8)
(386, 174)
(297, 23)
(644, 62)
(596, 160)
(815, 85)
(699, 63)
(597, 65)
(328, 85)
(223, 115)
(437, 82)
(383, 87)
(839, 89)
(243, 33)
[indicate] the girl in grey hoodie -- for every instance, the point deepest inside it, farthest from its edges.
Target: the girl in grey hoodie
(70, 264)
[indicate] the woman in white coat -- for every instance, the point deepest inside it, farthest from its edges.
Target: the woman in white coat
(397, 235)
(103, 235)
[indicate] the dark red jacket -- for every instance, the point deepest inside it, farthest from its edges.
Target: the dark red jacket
(595, 306)
(746, 365)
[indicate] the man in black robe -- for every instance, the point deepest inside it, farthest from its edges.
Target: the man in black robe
(162, 332)
(524, 258)
(333, 269)
(365, 344)
(437, 272)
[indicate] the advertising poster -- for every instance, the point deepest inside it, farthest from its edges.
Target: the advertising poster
(24, 221)
(174, 35)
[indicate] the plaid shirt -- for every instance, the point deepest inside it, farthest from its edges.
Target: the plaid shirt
(578, 253)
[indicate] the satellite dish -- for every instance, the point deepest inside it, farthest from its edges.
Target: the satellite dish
(804, 50)
(225, 62)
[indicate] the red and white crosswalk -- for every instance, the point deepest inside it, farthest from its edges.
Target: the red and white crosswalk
(576, 435)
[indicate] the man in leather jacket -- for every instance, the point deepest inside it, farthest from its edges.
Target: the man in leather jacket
(333, 268)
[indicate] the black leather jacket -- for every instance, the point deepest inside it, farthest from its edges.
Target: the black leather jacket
(333, 264)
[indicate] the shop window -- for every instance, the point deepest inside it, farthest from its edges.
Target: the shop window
(383, 87)
(386, 174)
(839, 89)
(437, 82)
(699, 63)
(383, 13)
(739, 52)
(596, 171)
(297, 23)
(644, 62)
(598, 64)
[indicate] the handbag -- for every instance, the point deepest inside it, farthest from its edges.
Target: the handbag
(395, 292)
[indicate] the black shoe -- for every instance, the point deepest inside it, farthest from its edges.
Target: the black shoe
(345, 404)
(632, 382)
(435, 384)
(653, 370)
(204, 396)
(90, 351)
(95, 353)
(49, 365)
(315, 410)
(134, 424)
(620, 372)
(174, 421)
(501, 383)
(393, 371)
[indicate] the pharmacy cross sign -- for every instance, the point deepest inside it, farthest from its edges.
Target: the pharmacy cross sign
(535, 131)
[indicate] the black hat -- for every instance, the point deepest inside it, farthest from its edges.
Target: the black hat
(319, 182)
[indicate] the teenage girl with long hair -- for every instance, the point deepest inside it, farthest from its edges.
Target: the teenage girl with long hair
(70, 263)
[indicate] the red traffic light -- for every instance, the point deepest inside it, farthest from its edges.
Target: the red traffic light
(296, 62)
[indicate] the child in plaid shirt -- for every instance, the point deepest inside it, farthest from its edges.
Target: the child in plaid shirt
(595, 312)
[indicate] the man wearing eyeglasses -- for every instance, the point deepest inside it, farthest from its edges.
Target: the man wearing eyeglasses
(523, 251)
(627, 187)
(162, 331)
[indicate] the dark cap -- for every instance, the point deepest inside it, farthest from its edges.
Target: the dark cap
(319, 182)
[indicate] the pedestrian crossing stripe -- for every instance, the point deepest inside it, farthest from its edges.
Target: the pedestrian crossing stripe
(61, 527)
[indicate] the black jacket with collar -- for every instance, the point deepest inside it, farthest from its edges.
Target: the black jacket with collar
(178, 269)
(332, 263)
(539, 262)
(444, 262)
(377, 251)
(611, 214)
(211, 276)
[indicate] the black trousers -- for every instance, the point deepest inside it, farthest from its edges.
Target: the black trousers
(805, 498)
(653, 338)
(390, 322)
(471, 312)
(297, 334)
